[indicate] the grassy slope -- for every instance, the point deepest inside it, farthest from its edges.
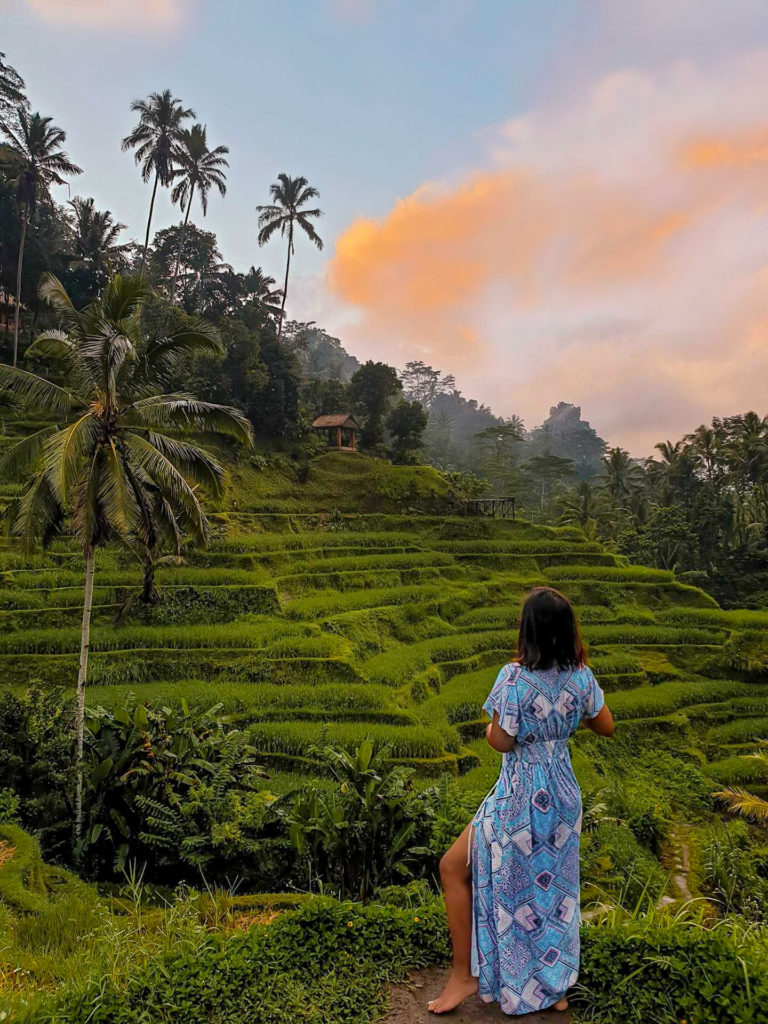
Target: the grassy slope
(321, 610)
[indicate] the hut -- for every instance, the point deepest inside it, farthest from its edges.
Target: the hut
(341, 430)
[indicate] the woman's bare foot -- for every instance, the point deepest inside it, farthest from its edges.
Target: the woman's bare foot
(457, 990)
(561, 1004)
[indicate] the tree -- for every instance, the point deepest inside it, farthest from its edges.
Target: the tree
(108, 460)
(407, 423)
(39, 162)
(197, 167)
(370, 389)
(98, 254)
(423, 384)
(621, 474)
(584, 505)
(499, 447)
(12, 96)
(155, 140)
(544, 472)
(290, 196)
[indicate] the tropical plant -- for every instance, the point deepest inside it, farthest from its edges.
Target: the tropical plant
(12, 96)
(96, 244)
(360, 835)
(108, 460)
(287, 211)
(38, 161)
(622, 475)
(196, 168)
(739, 801)
(155, 140)
(158, 781)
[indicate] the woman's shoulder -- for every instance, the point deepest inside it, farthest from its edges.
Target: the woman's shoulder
(508, 672)
(582, 674)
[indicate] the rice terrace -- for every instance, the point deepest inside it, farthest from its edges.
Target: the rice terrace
(329, 694)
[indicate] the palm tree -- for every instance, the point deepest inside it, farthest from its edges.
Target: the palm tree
(155, 139)
(585, 505)
(199, 168)
(39, 162)
(108, 460)
(96, 240)
(707, 444)
(259, 287)
(621, 474)
(289, 196)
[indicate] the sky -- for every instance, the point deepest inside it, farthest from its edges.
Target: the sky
(554, 200)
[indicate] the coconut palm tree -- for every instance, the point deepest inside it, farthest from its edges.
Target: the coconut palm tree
(260, 287)
(96, 240)
(108, 461)
(290, 196)
(155, 138)
(39, 162)
(197, 168)
(585, 505)
(707, 444)
(621, 474)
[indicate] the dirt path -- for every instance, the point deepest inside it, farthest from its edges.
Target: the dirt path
(409, 1005)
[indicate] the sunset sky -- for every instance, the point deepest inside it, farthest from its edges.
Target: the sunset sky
(551, 199)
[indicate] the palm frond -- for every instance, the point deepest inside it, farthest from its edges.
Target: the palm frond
(64, 453)
(52, 291)
(39, 392)
(193, 462)
(739, 801)
(116, 496)
(172, 484)
(39, 516)
(180, 411)
(25, 453)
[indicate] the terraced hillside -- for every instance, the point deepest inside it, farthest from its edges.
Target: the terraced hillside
(310, 624)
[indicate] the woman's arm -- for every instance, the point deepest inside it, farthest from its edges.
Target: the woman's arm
(602, 723)
(496, 736)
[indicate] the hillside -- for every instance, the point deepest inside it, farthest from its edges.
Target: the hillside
(379, 623)
(321, 612)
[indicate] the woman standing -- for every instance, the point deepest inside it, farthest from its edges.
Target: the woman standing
(511, 880)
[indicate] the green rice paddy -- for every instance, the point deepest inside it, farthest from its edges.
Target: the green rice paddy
(310, 625)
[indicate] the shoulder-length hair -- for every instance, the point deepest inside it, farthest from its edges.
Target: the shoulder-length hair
(549, 633)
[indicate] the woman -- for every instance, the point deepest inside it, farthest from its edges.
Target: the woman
(511, 879)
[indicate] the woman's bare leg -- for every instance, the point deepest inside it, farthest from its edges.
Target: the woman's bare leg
(456, 876)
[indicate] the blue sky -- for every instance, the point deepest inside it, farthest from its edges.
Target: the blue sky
(551, 199)
(365, 101)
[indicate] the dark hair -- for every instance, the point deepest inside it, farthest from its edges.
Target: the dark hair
(549, 633)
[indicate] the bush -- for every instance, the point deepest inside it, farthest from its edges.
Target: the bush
(667, 971)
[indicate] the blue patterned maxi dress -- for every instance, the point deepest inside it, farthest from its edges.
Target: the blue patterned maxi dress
(525, 842)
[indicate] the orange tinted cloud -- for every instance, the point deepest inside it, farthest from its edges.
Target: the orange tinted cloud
(742, 151)
(588, 262)
(144, 15)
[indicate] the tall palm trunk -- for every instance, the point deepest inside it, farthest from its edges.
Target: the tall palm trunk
(24, 219)
(181, 244)
(285, 286)
(85, 639)
(149, 222)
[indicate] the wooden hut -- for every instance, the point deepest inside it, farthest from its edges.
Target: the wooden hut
(341, 430)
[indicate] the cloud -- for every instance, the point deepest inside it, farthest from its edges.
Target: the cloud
(143, 15)
(611, 252)
(353, 10)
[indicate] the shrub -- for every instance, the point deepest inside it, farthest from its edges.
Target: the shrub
(667, 970)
